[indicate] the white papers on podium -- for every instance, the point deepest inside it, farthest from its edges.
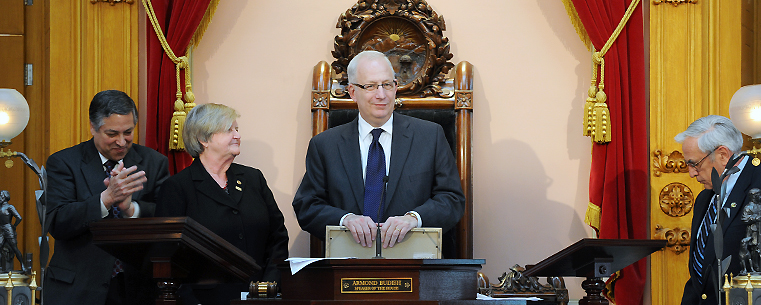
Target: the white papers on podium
(419, 243)
(298, 263)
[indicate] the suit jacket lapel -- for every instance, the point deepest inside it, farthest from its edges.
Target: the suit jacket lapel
(206, 185)
(348, 150)
(92, 168)
(736, 200)
(401, 143)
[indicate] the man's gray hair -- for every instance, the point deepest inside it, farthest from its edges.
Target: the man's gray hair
(711, 132)
(203, 122)
(363, 56)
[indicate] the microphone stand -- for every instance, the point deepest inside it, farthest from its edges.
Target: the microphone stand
(717, 228)
(378, 242)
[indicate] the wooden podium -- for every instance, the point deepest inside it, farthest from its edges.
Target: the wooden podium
(382, 281)
(173, 246)
(595, 258)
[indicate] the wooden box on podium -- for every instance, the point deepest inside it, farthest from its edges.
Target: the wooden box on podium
(419, 243)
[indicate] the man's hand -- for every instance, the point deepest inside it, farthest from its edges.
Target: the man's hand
(120, 186)
(363, 229)
(395, 228)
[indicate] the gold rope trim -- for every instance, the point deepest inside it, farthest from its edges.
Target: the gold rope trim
(596, 113)
(576, 22)
(180, 109)
(592, 217)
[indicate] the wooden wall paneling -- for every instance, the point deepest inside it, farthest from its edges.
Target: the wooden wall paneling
(36, 141)
(111, 50)
(676, 80)
(694, 70)
(12, 64)
(65, 110)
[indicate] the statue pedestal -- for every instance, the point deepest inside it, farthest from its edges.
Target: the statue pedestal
(18, 287)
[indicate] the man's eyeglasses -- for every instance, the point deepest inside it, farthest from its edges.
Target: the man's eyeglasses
(372, 87)
(695, 165)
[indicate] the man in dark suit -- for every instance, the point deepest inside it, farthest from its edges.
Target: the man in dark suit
(383, 161)
(105, 177)
(710, 143)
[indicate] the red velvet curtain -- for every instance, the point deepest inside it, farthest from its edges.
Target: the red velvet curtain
(179, 20)
(618, 181)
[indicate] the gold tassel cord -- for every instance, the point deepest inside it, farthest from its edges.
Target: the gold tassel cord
(182, 62)
(596, 119)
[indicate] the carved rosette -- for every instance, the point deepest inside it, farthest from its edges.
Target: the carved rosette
(463, 99)
(674, 2)
(676, 199)
(677, 239)
(113, 2)
(673, 163)
(409, 32)
(320, 99)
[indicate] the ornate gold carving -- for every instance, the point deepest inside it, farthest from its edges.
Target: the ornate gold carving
(409, 32)
(320, 99)
(463, 99)
(673, 163)
(674, 2)
(676, 199)
(677, 239)
(113, 2)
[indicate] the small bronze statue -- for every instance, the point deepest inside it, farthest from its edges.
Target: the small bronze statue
(8, 236)
(750, 252)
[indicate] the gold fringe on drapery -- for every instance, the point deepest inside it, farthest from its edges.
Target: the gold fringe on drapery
(596, 113)
(181, 63)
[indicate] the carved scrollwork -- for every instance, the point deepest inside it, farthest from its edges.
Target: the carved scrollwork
(677, 239)
(673, 163)
(463, 99)
(409, 32)
(676, 199)
(113, 2)
(674, 2)
(320, 99)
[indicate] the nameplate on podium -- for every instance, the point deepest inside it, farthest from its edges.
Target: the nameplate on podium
(419, 243)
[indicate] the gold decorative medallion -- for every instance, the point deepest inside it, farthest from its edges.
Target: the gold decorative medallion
(676, 199)
(9, 163)
(756, 161)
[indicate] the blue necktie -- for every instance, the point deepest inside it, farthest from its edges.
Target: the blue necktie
(374, 174)
(698, 256)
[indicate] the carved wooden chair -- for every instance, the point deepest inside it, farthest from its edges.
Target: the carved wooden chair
(409, 32)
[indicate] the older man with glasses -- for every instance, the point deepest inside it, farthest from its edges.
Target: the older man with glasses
(382, 168)
(711, 143)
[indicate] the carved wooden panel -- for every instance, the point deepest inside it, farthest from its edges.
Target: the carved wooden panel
(676, 199)
(409, 32)
(673, 163)
(678, 239)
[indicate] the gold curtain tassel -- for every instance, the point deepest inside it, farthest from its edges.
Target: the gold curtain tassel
(601, 114)
(588, 109)
(178, 120)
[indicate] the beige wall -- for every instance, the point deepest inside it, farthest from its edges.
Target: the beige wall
(531, 163)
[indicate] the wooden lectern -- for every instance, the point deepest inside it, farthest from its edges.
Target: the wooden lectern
(595, 258)
(173, 246)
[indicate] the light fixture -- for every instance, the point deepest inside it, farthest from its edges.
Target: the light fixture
(745, 113)
(14, 115)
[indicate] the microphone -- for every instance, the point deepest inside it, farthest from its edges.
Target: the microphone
(378, 243)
